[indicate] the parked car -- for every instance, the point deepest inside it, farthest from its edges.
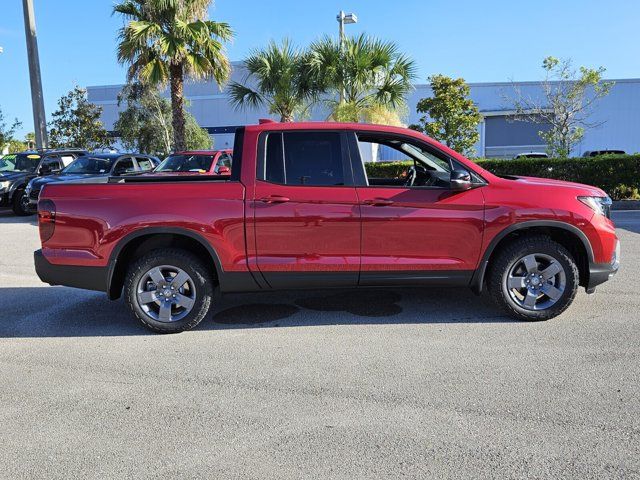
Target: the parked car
(215, 162)
(300, 210)
(531, 155)
(92, 168)
(597, 153)
(16, 173)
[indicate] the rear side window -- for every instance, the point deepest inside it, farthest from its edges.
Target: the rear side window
(304, 158)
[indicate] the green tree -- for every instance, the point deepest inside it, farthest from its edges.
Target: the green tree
(168, 40)
(145, 123)
(566, 104)
(77, 123)
(450, 116)
(7, 131)
(364, 76)
(280, 79)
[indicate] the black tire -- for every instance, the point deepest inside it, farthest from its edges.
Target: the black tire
(539, 246)
(20, 204)
(200, 276)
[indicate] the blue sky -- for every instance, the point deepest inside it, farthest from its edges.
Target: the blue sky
(479, 40)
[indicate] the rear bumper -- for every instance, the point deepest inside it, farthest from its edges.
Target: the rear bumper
(88, 278)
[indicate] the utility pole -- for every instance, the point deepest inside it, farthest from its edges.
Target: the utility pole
(37, 100)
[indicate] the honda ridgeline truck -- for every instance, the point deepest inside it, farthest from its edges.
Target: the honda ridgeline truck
(303, 208)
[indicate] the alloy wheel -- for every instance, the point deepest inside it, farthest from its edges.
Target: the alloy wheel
(166, 293)
(536, 281)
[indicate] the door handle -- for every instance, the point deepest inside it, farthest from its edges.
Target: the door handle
(274, 199)
(378, 202)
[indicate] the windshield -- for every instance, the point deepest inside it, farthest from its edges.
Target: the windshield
(22, 162)
(186, 163)
(89, 165)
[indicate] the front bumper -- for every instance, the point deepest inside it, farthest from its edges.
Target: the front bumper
(77, 276)
(601, 272)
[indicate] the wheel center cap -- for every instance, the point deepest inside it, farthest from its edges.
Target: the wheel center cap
(535, 281)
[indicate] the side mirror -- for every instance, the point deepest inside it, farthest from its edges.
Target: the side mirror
(460, 180)
(224, 171)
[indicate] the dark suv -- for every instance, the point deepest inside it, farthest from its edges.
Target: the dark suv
(16, 172)
(92, 168)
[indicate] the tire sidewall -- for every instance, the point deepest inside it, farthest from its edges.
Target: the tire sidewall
(18, 208)
(204, 291)
(514, 255)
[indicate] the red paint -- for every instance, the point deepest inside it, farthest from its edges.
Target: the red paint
(259, 226)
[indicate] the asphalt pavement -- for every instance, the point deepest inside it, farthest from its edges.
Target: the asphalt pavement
(417, 383)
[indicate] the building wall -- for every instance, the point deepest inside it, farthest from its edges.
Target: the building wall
(619, 114)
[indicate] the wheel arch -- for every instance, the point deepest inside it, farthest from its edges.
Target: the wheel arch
(576, 242)
(146, 239)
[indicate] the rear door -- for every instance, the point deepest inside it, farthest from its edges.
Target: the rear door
(305, 208)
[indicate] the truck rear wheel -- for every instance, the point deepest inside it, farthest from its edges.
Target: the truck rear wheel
(169, 290)
(533, 278)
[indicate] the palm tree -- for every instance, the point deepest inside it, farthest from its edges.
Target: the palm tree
(166, 40)
(280, 81)
(370, 76)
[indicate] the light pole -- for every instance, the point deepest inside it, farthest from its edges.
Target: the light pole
(344, 18)
(37, 100)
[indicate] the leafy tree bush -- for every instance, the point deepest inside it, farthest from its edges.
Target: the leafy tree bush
(145, 125)
(7, 131)
(450, 117)
(566, 105)
(77, 123)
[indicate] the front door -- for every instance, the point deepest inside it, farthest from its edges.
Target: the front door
(306, 212)
(415, 229)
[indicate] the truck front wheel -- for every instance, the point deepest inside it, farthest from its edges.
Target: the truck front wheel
(533, 278)
(169, 290)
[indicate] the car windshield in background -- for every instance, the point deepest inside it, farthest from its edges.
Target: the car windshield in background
(89, 165)
(186, 163)
(22, 162)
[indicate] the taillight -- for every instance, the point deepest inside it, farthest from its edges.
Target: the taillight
(46, 219)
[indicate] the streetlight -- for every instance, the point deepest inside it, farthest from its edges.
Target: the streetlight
(344, 18)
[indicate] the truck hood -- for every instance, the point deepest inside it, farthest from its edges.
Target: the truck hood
(578, 188)
(39, 182)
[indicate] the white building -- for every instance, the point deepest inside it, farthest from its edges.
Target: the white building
(619, 114)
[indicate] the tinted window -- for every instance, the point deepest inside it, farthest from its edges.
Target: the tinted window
(124, 166)
(304, 158)
(186, 163)
(89, 165)
(274, 159)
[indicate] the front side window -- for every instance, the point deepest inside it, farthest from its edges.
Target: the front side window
(397, 161)
(304, 158)
(124, 166)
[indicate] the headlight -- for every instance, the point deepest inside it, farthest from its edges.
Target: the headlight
(600, 205)
(4, 185)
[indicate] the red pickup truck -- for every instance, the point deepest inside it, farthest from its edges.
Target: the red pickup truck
(303, 208)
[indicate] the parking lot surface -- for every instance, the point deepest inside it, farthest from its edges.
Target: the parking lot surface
(411, 383)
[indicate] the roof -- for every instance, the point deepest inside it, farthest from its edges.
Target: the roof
(202, 152)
